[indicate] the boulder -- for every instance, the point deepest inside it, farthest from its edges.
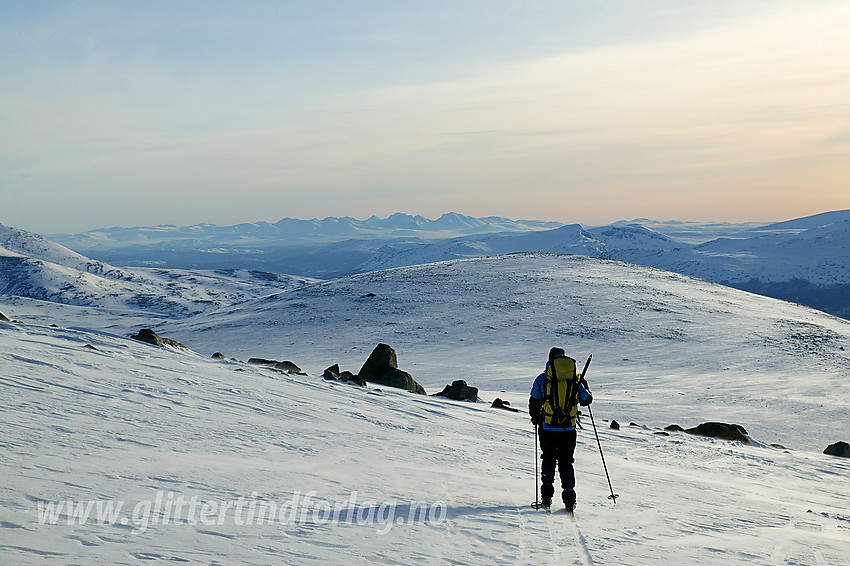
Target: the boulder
(288, 366)
(284, 367)
(460, 391)
(218, 356)
(382, 368)
(722, 431)
(841, 449)
(401, 380)
(615, 425)
(151, 337)
(349, 377)
(4, 318)
(674, 428)
(331, 373)
(499, 404)
(382, 359)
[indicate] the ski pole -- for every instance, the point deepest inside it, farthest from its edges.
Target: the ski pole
(536, 504)
(613, 497)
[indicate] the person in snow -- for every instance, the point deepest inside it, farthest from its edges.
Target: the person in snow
(553, 407)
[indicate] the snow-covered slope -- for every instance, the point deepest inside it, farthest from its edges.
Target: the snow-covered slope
(804, 223)
(605, 242)
(811, 267)
(36, 268)
(195, 452)
(666, 346)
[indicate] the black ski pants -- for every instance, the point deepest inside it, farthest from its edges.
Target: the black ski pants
(557, 449)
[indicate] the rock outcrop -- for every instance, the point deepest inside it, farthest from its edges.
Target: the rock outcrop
(333, 373)
(722, 431)
(500, 404)
(284, 367)
(151, 337)
(460, 391)
(382, 368)
(841, 449)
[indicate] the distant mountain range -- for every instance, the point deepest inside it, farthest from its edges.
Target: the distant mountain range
(805, 260)
(293, 231)
(810, 265)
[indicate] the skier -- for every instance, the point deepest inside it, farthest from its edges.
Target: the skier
(553, 408)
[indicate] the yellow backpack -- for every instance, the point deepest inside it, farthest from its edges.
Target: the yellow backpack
(560, 400)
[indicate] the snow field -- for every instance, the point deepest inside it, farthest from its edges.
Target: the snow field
(128, 421)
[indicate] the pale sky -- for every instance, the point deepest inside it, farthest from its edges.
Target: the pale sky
(142, 113)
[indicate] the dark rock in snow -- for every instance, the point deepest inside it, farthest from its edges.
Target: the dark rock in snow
(285, 367)
(499, 404)
(662, 433)
(218, 356)
(382, 359)
(4, 318)
(151, 337)
(674, 428)
(615, 425)
(841, 449)
(90, 347)
(288, 366)
(460, 391)
(349, 377)
(722, 431)
(401, 380)
(331, 373)
(382, 367)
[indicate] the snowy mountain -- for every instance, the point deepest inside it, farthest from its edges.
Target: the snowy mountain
(326, 248)
(804, 260)
(804, 223)
(187, 454)
(604, 242)
(291, 232)
(811, 266)
(36, 268)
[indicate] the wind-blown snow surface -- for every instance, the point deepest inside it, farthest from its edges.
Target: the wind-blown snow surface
(92, 417)
(667, 347)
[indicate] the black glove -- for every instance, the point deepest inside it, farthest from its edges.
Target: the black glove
(587, 401)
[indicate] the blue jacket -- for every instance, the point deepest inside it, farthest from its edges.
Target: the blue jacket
(538, 392)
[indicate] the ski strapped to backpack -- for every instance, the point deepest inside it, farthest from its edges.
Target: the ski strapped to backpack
(560, 400)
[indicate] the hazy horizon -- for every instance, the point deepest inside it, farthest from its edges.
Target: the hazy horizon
(431, 218)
